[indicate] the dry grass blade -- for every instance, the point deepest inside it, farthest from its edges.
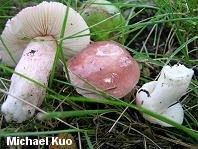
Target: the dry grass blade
(190, 146)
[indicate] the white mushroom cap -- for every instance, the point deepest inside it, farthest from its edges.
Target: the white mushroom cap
(45, 19)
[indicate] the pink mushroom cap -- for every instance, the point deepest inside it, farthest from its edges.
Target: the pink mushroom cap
(107, 66)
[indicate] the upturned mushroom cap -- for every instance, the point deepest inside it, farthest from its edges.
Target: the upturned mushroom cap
(107, 66)
(35, 32)
(45, 19)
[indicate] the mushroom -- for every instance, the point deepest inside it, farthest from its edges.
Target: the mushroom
(107, 66)
(37, 30)
(162, 96)
(98, 11)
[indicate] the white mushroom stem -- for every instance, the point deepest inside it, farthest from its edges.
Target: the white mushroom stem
(36, 63)
(157, 96)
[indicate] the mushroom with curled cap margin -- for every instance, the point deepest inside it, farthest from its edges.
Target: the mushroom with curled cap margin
(42, 24)
(107, 66)
(162, 96)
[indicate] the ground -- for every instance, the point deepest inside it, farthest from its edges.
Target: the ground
(155, 37)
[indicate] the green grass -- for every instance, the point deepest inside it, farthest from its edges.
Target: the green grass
(115, 123)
